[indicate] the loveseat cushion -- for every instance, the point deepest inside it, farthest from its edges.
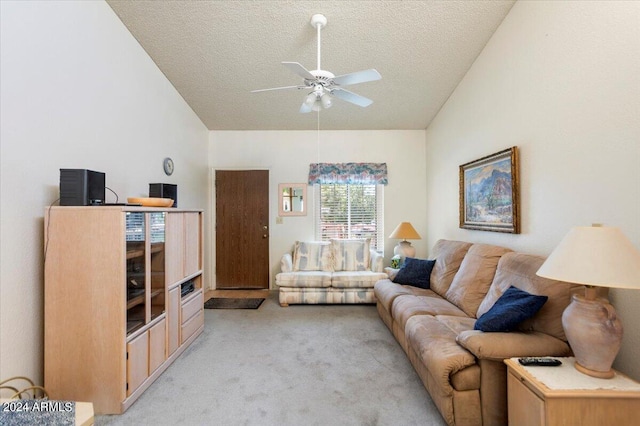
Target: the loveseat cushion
(312, 256)
(304, 279)
(351, 255)
(519, 270)
(448, 255)
(356, 279)
(474, 277)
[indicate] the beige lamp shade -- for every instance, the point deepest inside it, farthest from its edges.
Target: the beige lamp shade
(594, 255)
(405, 231)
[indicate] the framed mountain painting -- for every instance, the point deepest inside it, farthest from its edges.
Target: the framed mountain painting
(489, 195)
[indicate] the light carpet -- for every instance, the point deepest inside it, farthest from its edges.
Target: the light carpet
(300, 365)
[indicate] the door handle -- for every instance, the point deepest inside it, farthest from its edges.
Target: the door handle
(264, 235)
(265, 227)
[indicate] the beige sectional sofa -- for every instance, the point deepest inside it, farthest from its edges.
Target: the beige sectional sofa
(335, 271)
(463, 368)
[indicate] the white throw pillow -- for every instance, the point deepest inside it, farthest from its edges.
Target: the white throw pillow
(351, 255)
(312, 256)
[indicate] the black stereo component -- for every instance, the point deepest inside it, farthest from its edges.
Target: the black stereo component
(186, 288)
(164, 190)
(81, 187)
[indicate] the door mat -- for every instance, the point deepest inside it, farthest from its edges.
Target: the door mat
(232, 303)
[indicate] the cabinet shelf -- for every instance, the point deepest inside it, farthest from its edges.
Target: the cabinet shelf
(135, 301)
(133, 254)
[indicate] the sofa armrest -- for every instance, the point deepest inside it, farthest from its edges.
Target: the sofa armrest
(391, 272)
(376, 261)
(286, 263)
(500, 346)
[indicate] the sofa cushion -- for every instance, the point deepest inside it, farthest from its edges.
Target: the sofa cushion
(407, 306)
(387, 291)
(473, 279)
(513, 307)
(448, 255)
(356, 279)
(519, 270)
(435, 344)
(312, 256)
(351, 255)
(304, 279)
(457, 324)
(415, 272)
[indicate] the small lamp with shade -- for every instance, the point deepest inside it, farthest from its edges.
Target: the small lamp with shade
(595, 256)
(405, 231)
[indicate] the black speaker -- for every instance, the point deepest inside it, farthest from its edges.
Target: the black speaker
(164, 190)
(81, 187)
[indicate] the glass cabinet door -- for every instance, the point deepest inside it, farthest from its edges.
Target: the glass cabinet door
(145, 236)
(156, 241)
(135, 235)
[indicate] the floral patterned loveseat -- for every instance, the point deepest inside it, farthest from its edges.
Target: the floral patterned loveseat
(335, 271)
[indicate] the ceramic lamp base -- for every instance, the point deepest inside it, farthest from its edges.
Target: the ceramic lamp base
(404, 249)
(594, 333)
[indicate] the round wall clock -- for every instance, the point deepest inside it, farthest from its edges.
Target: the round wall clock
(168, 166)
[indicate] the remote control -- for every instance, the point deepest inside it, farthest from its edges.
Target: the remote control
(540, 361)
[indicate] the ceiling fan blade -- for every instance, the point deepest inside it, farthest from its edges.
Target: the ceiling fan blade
(278, 88)
(357, 77)
(348, 96)
(300, 70)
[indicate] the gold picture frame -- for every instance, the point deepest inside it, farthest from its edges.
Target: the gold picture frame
(489, 193)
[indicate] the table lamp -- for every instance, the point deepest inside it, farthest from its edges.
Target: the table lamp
(405, 231)
(595, 256)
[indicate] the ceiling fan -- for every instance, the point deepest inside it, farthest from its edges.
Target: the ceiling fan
(323, 85)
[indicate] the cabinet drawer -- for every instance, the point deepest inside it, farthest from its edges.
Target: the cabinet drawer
(192, 325)
(192, 306)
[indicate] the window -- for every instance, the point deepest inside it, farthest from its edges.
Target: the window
(350, 211)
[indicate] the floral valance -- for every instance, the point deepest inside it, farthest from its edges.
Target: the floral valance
(351, 173)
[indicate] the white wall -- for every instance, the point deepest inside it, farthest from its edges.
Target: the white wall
(287, 155)
(561, 80)
(78, 91)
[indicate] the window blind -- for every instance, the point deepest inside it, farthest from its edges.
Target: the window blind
(350, 211)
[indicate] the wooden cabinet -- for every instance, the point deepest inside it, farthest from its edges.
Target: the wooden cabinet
(184, 231)
(113, 304)
(548, 396)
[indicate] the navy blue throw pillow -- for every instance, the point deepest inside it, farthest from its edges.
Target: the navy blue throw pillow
(415, 272)
(513, 307)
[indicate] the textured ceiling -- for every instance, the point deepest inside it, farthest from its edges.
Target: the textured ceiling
(216, 52)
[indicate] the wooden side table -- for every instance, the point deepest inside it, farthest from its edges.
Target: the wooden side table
(564, 396)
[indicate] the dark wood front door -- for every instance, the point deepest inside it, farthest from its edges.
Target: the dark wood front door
(242, 229)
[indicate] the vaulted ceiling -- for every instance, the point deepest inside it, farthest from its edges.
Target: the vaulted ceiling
(216, 52)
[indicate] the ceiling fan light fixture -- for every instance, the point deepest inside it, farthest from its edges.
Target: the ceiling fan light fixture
(311, 99)
(326, 101)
